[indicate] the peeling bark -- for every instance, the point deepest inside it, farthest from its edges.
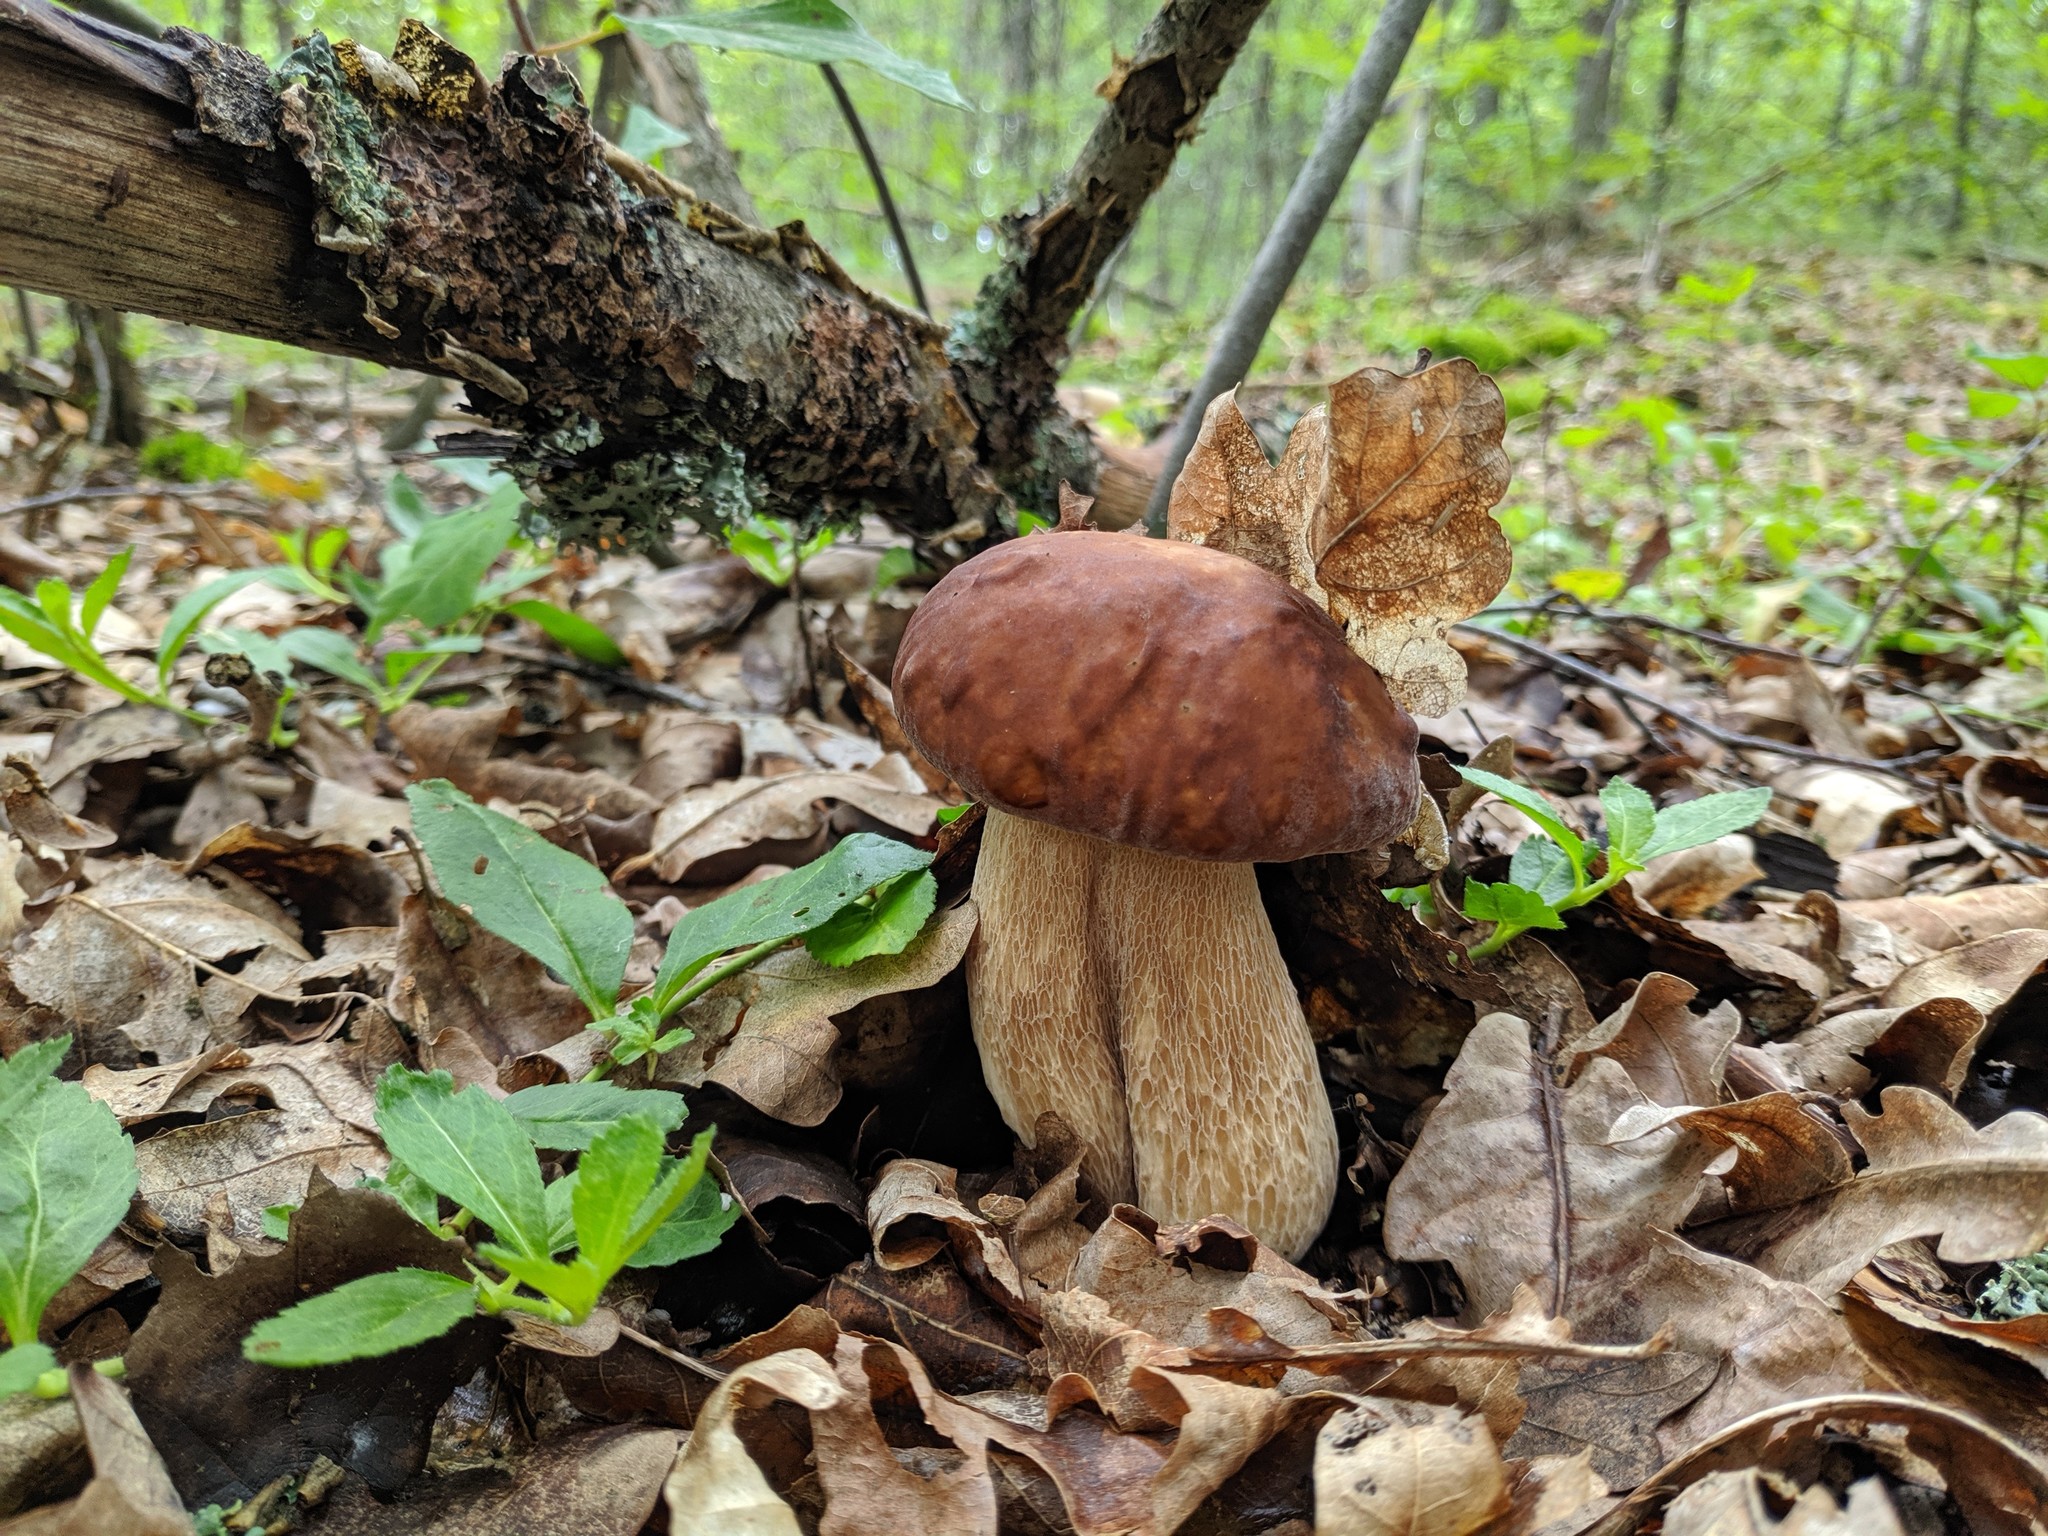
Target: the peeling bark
(637, 358)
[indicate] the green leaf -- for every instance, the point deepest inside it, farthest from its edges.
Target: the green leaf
(191, 610)
(695, 1227)
(646, 135)
(276, 1222)
(897, 562)
(21, 1365)
(436, 578)
(67, 1173)
(410, 1191)
(612, 1178)
(469, 1148)
(28, 624)
(567, 1117)
(1506, 903)
(405, 507)
(2029, 370)
(376, 1315)
(1535, 807)
(1992, 404)
(1539, 865)
(781, 908)
(1631, 819)
(946, 815)
(571, 631)
(811, 31)
(1691, 823)
(553, 905)
(881, 927)
(329, 650)
(100, 594)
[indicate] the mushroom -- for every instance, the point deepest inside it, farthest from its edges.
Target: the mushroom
(1144, 719)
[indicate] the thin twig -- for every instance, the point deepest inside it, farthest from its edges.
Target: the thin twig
(1900, 767)
(689, 1362)
(528, 43)
(597, 672)
(892, 1306)
(1556, 604)
(178, 951)
(112, 493)
(1969, 499)
(874, 165)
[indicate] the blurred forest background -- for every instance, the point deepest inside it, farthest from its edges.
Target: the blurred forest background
(1736, 265)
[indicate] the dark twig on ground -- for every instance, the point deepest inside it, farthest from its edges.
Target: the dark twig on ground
(1544, 656)
(112, 493)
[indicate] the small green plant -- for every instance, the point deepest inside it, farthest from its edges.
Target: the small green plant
(626, 1204)
(191, 457)
(1551, 871)
(67, 1173)
(869, 896)
(773, 549)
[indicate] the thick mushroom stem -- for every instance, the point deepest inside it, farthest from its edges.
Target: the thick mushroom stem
(1143, 999)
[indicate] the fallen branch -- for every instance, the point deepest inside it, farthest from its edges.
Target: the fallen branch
(1543, 655)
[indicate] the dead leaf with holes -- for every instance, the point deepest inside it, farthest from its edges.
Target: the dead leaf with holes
(1379, 512)
(1385, 1467)
(130, 956)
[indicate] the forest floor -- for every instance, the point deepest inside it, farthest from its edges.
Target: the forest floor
(1745, 1128)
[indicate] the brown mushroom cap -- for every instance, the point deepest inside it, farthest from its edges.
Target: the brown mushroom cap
(1157, 694)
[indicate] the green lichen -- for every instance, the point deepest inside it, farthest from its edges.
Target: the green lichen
(583, 500)
(339, 147)
(2019, 1289)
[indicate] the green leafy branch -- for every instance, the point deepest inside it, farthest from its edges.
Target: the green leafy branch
(626, 1204)
(1551, 872)
(869, 896)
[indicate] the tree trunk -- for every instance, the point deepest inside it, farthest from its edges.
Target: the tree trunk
(640, 359)
(1845, 92)
(1913, 54)
(1966, 79)
(1594, 78)
(1669, 95)
(1489, 22)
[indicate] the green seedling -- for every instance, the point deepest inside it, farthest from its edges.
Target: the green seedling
(869, 896)
(626, 1204)
(67, 1173)
(1551, 872)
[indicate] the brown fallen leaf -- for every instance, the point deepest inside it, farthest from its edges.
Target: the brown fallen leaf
(915, 1213)
(1784, 1150)
(1929, 1045)
(124, 733)
(1933, 1355)
(1673, 1055)
(131, 1494)
(34, 817)
(1984, 973)
(714, 1484)
(744, 812)
(1985, 1193)
(1997, 1486)
(1944, 922)
(1480, 1189)
(452, 973)
(327, 884)
(43, 1458)
(123, 959)
(1390, 1468)
(1693, 881)
(1229, 496)
(680, 750)
(456, 744)
(2008, 794)
(596, 1482)
(228, 1425)
(1740, 1504)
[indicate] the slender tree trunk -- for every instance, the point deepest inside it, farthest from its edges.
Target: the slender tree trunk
(116, 387)
(1669, 95)
(1966, 80)
(1847, 89)
(1489, 22)
(1019, 53)
(1347, 121)
(231, 23)
(1913, 54)
(1594, 79)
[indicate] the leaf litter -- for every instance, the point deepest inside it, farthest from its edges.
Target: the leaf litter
(1703, 1200)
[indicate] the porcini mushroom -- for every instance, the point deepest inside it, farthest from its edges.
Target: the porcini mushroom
(1144, 719)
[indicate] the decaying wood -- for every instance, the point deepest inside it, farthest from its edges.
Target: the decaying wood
(638, 358)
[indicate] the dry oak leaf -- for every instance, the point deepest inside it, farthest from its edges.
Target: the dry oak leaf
(1404, 539)
(1985, 973)
(1385, 1467)
(1985, 1193)
(1230, 497)
(1674, 1055)
(122, 956)
(1480, 1188)
(317, 1112)
(1741, 1504)
(131, 1493)
(739, 813)
(1943, 922)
